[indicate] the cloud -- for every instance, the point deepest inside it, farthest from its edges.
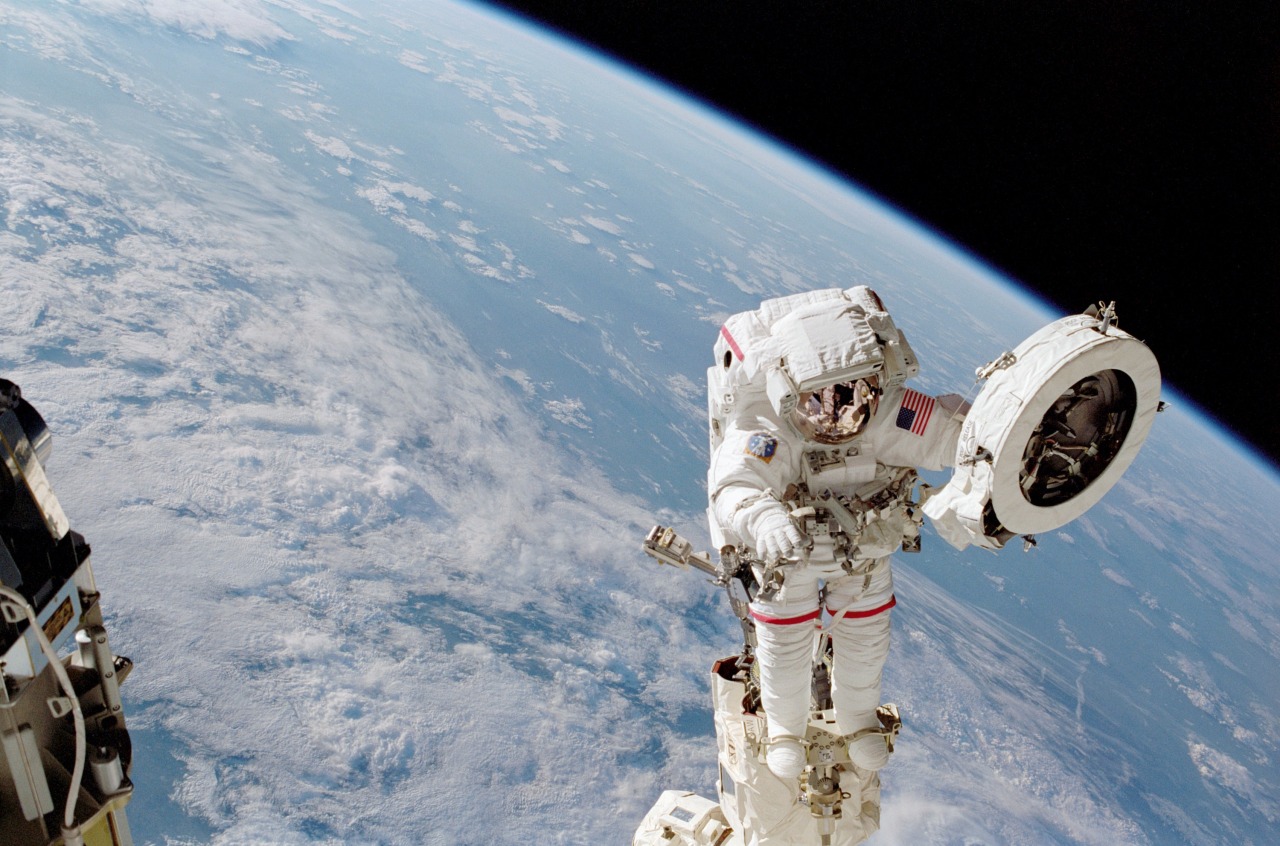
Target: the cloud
(563, 312)
(314, 508)
(248, 21)
(602, 224)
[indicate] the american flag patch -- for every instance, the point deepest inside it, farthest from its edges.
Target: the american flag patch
(915, 411)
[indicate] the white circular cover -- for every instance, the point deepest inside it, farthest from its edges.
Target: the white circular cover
(992, 456)
(1015, 400)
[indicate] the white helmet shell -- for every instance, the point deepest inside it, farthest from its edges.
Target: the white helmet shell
(840, 339)
(804, 342)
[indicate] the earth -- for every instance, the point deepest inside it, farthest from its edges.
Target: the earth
(372, 338)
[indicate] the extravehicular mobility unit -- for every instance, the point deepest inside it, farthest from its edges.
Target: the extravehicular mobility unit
(1056, 423)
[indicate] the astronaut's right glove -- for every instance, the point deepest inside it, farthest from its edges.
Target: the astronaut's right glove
(776, 536)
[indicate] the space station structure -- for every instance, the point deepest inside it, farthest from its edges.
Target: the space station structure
(1054, 424)
(67, 754)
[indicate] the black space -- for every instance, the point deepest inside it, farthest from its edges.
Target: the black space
(1120, 151)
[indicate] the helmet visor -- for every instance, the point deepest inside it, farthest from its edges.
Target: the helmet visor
(838, 413)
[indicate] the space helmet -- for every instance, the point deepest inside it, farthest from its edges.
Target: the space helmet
(832, 360)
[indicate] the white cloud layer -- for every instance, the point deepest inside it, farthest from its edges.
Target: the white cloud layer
(250, 21)
(324, 533)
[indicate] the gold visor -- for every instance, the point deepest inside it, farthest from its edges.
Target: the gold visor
(838, 413)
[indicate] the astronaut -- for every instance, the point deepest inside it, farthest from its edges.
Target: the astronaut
(815, 446)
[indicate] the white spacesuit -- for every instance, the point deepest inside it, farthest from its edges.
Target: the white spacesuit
(815, 444)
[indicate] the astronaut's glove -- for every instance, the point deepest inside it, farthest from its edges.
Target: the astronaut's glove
(776, 536)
